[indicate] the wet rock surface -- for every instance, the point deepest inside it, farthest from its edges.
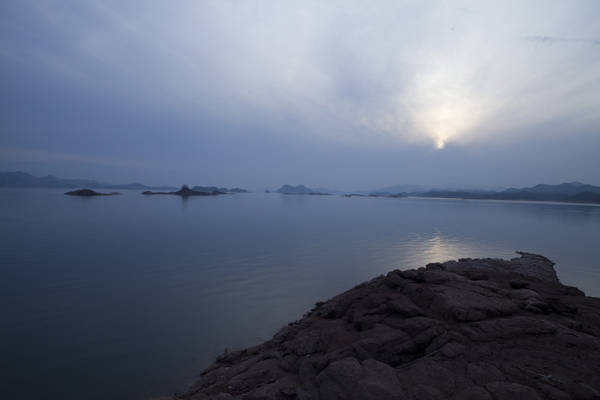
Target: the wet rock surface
(467, 329)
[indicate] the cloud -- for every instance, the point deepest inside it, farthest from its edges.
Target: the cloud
(384, 75)
(347, 70)
(552, 40)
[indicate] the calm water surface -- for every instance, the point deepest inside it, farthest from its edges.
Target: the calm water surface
(129, 297)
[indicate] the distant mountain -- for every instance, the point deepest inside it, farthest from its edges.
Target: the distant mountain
(396, 189)
(299, 189)
(574, 192)
(185, 191)
(23, 179)
(567, 189)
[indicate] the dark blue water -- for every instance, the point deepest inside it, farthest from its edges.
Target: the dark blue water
(129, 297)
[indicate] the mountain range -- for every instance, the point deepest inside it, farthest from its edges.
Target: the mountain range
(23, 179)
(412, 188)
(575, 192)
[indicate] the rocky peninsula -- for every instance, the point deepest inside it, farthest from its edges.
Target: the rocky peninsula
(468, 329)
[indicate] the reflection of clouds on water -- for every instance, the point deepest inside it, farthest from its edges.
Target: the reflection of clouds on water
(419, 250)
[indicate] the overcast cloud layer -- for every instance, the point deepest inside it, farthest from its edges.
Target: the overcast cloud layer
(341, 94)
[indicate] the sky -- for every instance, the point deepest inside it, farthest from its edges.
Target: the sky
(339, 94)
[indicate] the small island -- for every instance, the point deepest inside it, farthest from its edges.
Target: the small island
(185, 191)
(89, 193)
(300, 189)
(210, 189)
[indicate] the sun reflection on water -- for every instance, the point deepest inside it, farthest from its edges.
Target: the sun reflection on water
(418, 251)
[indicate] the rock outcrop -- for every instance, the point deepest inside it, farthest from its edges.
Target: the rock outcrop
(467, 329)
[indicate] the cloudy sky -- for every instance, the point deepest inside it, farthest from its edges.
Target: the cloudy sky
(341, 94)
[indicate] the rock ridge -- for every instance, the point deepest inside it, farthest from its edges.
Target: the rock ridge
(468, 329)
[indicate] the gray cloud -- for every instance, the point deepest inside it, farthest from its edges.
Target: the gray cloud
(551, 40)
(230, 92)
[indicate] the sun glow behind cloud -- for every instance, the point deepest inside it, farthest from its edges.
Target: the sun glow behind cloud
(445, 109)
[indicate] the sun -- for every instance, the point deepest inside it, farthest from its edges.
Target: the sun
(440, 139)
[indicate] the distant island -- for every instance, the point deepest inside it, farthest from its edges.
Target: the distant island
(89, 193)
(186, 191)
(570, 192)
(299, 189)
(23, 179)
(209, 189)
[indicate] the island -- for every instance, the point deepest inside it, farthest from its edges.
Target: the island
(209, 189)
(468, 329)
(300, 189)
(185, 191)
(89, 193)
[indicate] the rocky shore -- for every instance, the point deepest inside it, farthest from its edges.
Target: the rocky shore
(468, 329)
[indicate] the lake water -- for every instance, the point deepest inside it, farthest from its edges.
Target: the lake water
(129, 297)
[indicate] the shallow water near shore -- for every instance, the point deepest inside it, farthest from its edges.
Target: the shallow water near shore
(129, 297)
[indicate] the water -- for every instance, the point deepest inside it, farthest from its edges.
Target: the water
(129, 297)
